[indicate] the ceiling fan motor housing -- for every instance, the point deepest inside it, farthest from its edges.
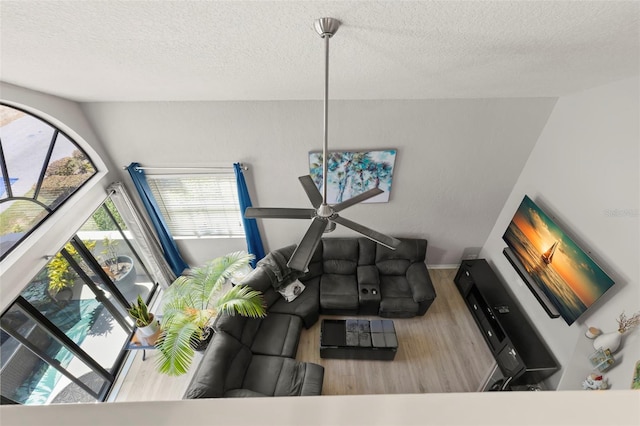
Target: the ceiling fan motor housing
(325, 211)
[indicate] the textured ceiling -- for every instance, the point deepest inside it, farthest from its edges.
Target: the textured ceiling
(249, 50)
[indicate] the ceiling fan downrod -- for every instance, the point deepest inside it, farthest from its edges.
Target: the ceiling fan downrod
(326, 28)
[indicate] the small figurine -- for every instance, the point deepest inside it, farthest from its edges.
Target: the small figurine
(592, 332)
(595, 382)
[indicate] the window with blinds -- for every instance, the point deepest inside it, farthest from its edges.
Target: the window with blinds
(199, 205)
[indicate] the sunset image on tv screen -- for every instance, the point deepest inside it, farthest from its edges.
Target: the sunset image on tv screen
(563, 271)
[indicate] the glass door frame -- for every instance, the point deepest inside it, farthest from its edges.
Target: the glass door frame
(102, 279)
(43, 322)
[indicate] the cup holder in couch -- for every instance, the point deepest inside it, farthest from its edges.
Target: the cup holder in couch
(364, 291)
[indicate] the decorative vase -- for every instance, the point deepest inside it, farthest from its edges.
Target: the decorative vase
(609, 341)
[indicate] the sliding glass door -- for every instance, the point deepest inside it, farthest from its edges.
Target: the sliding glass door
(62, 339)
(106, 238)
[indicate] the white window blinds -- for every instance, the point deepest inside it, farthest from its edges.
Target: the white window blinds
(199, 205)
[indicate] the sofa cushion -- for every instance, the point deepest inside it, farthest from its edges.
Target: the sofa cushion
(398, 307)
(340, 256)
(261, 279)
(396, 297)
(338, 292)
(306, 305)
(393, 267)
(242, 328)
(222, 367)
(396, 262)
(276, 334)
(276, 376)
(367, 252)
(279, 335)
(395, 286)
(412, 249)
(243, 393)
(313, 379)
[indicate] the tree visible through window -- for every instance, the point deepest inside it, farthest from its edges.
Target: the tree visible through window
(41, 168)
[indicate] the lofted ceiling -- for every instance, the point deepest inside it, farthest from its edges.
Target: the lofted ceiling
(263, 50)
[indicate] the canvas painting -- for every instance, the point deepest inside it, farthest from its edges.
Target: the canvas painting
(352, 173)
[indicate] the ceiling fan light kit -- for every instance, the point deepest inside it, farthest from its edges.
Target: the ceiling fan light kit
(324, 217)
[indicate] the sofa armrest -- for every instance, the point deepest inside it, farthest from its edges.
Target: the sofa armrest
(243, 393)
(313, 380)
(368, 274)
(420, 282)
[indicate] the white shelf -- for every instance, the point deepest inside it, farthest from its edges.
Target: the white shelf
(619, 375)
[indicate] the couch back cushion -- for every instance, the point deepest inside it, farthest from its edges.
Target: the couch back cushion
(222, 368)
(315, 266)
(238, 326)
(262, 279)
(367, 252)
(340, 256)
(396, 262)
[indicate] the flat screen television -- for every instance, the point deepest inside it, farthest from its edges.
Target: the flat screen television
(561, 275)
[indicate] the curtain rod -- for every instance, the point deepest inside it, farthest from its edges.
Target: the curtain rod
(242, 166)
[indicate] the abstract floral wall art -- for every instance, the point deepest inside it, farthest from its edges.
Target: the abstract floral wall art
(351, 173)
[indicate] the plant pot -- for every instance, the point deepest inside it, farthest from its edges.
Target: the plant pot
(62, 296)
(202, 344)
(128, 275)
(151, 329)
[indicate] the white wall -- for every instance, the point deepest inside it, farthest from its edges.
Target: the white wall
(584, 172)
(485, 408)
(23, 263)
(457, 159)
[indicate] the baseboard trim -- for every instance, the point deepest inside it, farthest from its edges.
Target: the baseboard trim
(485, 383)
(445, 266)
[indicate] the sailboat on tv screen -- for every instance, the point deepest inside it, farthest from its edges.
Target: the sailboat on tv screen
(547, 256)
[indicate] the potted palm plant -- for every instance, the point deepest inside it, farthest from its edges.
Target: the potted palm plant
(192, 303)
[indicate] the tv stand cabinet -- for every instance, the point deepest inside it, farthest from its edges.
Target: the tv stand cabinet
(521, 355)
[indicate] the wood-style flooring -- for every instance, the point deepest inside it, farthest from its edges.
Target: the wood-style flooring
(442, 351)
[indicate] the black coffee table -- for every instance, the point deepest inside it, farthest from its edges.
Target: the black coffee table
(358, 339)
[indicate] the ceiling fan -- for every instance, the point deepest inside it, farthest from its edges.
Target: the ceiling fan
(324, 217)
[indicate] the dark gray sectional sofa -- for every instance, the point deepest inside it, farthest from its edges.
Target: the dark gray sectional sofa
(346, 276)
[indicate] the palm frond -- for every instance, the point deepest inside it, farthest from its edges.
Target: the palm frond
(176, 348)
(224, 267)
(244, 300)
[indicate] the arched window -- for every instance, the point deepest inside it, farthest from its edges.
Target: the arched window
(41, 168)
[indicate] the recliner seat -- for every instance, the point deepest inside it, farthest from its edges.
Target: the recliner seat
(229, 369)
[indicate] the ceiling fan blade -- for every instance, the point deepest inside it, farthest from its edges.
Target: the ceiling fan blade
(357, 199)
(302, 255)
(278, 213)
(312, 191)
(376, 236)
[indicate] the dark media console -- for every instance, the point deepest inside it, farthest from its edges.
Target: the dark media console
(521, 355)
